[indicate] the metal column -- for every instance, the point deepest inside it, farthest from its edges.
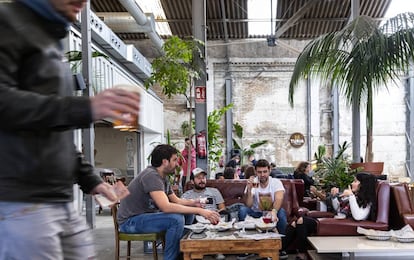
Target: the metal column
(356, 117)
(229, 118)
(199, 32)
(309, 118)
(88, 134)
(410, 123)
(335, 120)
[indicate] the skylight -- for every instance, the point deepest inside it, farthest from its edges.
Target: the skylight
(259, 12)
(154, 7)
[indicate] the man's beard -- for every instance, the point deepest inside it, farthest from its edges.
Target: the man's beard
(198, 187)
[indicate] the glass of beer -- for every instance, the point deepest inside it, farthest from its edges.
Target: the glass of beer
(256, 182)
(125, 125)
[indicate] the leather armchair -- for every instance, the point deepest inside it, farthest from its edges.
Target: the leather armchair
(401, 206)
(348, 227)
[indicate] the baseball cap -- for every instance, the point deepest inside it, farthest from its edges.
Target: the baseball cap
(197, 171)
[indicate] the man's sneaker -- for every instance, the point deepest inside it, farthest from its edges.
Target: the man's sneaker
(220, 257)
(283, 255)
(244, 256)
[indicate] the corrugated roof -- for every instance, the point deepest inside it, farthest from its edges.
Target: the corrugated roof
(325, 16)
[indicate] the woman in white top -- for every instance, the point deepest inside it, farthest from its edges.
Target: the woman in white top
(361, 204)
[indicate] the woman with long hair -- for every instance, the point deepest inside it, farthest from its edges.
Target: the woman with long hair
(302, 172)
(358, 201)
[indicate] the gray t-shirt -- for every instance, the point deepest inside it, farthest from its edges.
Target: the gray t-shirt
(213, 196)
(139, 200)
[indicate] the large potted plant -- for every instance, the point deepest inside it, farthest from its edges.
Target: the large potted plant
(360, 59)
(334, 171)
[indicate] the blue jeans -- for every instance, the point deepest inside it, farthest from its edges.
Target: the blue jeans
(170, 223)
(281, 215)
(49, 231)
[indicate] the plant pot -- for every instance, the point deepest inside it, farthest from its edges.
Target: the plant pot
(375, 168)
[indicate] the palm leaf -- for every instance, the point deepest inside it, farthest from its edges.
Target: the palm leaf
(238, 129)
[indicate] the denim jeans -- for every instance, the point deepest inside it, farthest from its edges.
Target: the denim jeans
(170, 223)
(281, 215)
(44, 231)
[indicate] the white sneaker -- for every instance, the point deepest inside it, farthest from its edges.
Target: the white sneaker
(220, 257)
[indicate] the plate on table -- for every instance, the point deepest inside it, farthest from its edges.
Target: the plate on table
(196, 228)
(407, 238)
(380, 237)
(245, 225)
(202, 220)
(263, 226)
(221, 226)
(340, 216)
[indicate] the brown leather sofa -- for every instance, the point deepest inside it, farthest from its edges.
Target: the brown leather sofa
(401, 206)
(233, 192)
(348, 227)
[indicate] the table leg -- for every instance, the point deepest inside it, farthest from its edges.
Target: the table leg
(186, 256)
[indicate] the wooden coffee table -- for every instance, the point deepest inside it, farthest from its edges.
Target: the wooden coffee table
(197, 248)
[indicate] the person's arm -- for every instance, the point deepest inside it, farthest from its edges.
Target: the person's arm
(163, 203)
(277, 204)
(358, 213)
(248, 196)
(183, 201)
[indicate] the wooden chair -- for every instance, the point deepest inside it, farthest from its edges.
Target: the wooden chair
(119, 236)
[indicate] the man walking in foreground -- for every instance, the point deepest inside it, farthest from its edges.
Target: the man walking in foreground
(38, 112)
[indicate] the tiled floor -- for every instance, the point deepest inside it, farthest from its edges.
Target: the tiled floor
(105, 243)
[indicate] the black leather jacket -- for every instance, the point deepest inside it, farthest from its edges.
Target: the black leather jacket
(38, 160)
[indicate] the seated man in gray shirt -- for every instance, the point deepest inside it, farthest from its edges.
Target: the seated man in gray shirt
(209, 197)
(152, 206)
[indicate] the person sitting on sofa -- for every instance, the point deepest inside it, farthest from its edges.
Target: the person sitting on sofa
(210, 197)
(358, 202)
(266, 185)
(302, 172)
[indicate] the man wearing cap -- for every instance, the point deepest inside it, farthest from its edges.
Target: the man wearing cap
(152, 206)
(210, 197)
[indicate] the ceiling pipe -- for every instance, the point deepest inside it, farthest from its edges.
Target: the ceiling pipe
(123, 22)
(143, 20)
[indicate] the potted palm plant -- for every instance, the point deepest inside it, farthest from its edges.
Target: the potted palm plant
(360, 59)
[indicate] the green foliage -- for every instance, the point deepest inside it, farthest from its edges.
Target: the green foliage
(176, 68)
(75, 58)
(334, 171)
(359, 59)
(214, 139)
(238, 144)
(186, 130)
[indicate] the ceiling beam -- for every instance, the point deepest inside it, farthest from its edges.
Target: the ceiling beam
(295, 18)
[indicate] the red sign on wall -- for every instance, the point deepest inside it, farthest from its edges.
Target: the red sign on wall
(200, 94)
